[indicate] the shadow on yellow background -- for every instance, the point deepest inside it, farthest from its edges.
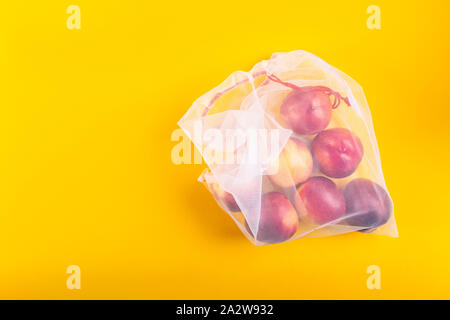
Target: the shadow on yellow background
(86, 176)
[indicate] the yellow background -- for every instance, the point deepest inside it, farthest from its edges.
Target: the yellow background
(86, 176)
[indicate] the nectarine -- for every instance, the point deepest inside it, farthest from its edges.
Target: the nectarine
(368, 203)
(278, 219)
(225, 198)
(338, 152)
(320, 201)
(295, 164)
(306, 112)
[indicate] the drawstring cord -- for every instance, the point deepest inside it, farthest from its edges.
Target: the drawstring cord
(336, 95)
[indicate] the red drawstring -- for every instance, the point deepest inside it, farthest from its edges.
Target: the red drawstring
(337, 96)
(221, 93)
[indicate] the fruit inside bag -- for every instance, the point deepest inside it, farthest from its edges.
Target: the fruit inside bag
(291, 151)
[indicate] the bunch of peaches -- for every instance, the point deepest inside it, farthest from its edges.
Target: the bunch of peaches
(312, 160)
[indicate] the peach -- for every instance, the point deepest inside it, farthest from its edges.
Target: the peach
(224, 197)
(337, 151)
(306, 112)
(320, 201)
(278, 219)
(295, 164)
(368, 202)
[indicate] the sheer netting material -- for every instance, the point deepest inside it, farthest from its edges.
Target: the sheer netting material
(291, 151)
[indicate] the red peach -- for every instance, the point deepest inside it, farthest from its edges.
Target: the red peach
(369, 202)
(278, 219)
(306, 112)
(320, 201)
(225, 198)
(295, 164)
(338, 152)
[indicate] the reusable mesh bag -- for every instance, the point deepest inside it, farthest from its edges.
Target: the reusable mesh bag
(291, 151)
